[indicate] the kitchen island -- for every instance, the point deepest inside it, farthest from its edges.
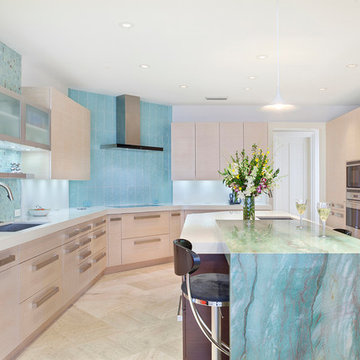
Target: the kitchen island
(293, 294)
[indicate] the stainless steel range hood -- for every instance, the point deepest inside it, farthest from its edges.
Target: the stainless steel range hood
(128, 125)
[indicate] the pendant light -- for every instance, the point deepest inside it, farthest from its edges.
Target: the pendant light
(278, 103)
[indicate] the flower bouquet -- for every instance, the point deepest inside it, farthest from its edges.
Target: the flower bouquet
(250, 176)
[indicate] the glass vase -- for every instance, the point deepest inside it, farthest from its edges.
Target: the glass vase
(249, 208)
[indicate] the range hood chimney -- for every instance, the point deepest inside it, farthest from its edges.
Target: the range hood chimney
(128, 125)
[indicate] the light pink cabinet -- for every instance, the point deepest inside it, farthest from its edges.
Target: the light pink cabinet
(231, 140)
(183, 151)
(255, 133)
(207, 151)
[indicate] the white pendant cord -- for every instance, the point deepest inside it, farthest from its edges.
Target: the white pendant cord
(278, 48)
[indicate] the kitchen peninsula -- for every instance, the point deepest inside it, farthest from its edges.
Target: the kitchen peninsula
(293, 294)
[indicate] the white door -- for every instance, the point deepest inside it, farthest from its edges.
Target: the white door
(293, 156)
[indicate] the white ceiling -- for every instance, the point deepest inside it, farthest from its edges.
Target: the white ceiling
(209, 45)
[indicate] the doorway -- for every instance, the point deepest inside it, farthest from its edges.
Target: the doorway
(296, 154)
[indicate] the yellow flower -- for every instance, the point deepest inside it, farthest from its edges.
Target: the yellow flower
(257, 160)
(265, 161)
(237, 176)
(268, 152)
(240, 188)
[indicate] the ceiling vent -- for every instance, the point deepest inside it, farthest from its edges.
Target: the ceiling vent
(217, 98)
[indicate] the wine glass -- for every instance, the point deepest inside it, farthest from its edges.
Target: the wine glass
(301, 208)
(323, 209)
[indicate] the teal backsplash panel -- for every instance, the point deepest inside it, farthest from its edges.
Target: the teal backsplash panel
(10, 78)
(10, 69)
(123, 176)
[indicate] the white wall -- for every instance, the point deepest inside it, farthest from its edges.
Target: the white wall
(50, 194)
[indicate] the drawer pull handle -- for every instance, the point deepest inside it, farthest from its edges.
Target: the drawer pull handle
(98, 258)
(49, 294)
(142, 217)
(85, 241)
(84, 268)
(7, 260)
(84, 255)
(74, 233)
(44, 263)
(100, 223)
(71, 249)
(99, 234)
(86, 228)
(139, 242)
(337, 214)
(176, 214)
(115, 219)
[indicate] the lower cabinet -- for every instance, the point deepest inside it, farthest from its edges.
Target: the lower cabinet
(141, 237)
(145, 248)
(9, 310)
(39, 308)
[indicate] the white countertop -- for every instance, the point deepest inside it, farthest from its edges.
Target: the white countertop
(58, 220)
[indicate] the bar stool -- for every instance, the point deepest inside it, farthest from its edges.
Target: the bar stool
(211, 289)
(343, 231)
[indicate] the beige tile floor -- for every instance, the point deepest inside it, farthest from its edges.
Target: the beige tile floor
(129, 315)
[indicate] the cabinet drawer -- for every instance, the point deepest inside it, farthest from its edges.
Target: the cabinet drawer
(98, 223)
(84, 273)
(41, 245)
(98, 263)
(40, 307)
(114, 240)
(84, 240)
(84, 254)
(140, 224)
(37, 273)
(98, 240)
(69, 269)
(145, 248)
(9, 258)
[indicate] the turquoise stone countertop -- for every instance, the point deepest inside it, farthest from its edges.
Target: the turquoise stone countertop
(283, 237)
(293, 295)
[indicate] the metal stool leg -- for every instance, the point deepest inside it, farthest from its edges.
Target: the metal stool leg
(215, 332)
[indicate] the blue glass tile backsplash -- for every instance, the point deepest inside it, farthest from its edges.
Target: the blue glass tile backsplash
(10, 69)
(123, 176)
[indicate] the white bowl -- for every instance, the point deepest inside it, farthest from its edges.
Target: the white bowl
(39, 212)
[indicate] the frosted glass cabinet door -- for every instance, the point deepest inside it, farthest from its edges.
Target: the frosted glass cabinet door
(37, 127)
(10, 116)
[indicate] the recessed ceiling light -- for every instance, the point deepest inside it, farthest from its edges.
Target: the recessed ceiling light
(216, 98)
(352, 66)
(144, 66)
(252, 77)
(126, 25)
(323, 89)
(247, 89)
(262, 57)
(183, 86)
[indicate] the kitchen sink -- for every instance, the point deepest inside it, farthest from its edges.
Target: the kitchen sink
(16, 227)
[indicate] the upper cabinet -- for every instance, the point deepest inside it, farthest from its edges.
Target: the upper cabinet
(10, 115)
(183, 151)
(255, 133)
(69, 132)
(207, 151)
(37, 125)
(199, 150)
(231, 140)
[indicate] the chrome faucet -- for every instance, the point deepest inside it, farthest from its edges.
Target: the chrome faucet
(8, 190)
